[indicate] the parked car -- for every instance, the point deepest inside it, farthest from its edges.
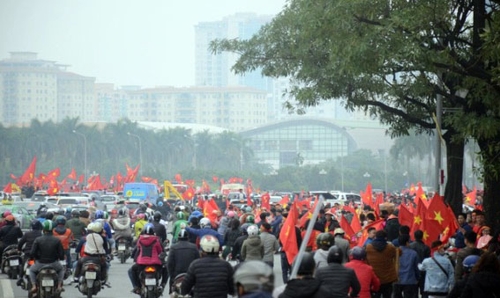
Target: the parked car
(23, 217)
(32, 207)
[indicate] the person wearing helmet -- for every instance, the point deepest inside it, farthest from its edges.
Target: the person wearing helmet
(304, 285)
(49, 216)
(95, 247)
(160, 229)
(65, 235)
(336, 278)
(206, 229)
(42, 209)
(247, 211)
(47, 250)
(252, 248)
(468, 263)
(254, 279)
(180, 256)
(232, 233)
(210, 276)
(10, 233)
(102, 217)
(76, 226)
(140, 223)
(366, 276)
(26, 243)
(146, 253)
(342, 243)
(67, 213)
(324, 241)
(181, 221)
(121, 225)
(236, 252)
(3, 222)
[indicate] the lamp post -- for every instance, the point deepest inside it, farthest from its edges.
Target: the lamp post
(84, 154)
(140, 151)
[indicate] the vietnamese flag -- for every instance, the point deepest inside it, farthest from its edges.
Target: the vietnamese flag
(288, 237)
(54, 173)
(188, 194)
(437, 211)
(366, 196)
(450, 230)
(53, 188)
(284, 201)
(405, 216)
(378, 225)
(80, 179)
(29, 174)
(265, 201)
(344, 224)
(430, 228)
(420, 195)
(72, 175)
(470, 198)
(210, 209)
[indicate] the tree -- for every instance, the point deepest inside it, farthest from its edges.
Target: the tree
(392, 59)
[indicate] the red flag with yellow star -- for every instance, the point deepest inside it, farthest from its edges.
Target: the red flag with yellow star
(470, 198)
(430, 228)
(437, 211)
(378, 225)
(288, 237)
(405, 216)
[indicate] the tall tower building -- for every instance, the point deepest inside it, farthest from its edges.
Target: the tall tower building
(215, 70)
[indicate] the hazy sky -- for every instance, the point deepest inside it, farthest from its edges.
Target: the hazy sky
(125, 42)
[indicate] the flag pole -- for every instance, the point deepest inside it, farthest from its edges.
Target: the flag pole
(303, 245)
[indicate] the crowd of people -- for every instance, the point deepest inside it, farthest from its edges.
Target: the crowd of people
(232, 252)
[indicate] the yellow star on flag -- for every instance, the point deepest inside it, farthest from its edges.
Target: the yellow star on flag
(287, 231)
(426, 235)
(417, 220)
(438, 217)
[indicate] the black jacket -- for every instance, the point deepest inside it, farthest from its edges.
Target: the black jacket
(47, 249)
(160, 231)
(180, 256)
(236, 253)
(482, 285)
(210, 276)
(337, 280)
(28, 239)
(10, 234)
(308, 287)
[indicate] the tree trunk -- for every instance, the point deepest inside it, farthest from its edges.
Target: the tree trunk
(455, 166)
(491, 178)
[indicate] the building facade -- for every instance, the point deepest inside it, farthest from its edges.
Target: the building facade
(31, 88)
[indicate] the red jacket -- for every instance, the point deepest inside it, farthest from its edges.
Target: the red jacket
(149, 247)
(366, 277)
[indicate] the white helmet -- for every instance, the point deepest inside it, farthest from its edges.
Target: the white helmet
(204, 222)
(252, 230)
(209, 244)
(95, 227)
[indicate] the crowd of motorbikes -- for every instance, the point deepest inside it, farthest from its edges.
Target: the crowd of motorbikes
(90, 281)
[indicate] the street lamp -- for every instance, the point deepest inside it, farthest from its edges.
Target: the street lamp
(140, 151)
(84, 154)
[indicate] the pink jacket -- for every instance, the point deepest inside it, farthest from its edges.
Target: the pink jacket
(366, 277)
(149, 250)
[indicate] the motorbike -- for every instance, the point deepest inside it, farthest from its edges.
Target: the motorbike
(90, 281)
(176, 287)
(47, 282)
(11, 261)
(26, 282)
(166, 248)
(123, 249)
(72, 250)
(150, 282)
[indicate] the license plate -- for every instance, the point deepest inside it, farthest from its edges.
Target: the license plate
(14, 263)
(122, 247)
(47, 282)
(150, 282)
(90, 275)
(63, 263)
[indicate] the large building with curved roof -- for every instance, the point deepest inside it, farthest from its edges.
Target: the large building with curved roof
(305, 140)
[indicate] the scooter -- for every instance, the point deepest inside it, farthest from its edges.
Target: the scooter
(90, 281)
(123, 249)
(11, 261)
(47, 283)
(150, 282)
(176, 287)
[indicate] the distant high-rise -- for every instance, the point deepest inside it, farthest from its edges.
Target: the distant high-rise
(215, 70)
(31, 88)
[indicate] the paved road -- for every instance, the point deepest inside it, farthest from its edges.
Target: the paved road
(120, 283)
